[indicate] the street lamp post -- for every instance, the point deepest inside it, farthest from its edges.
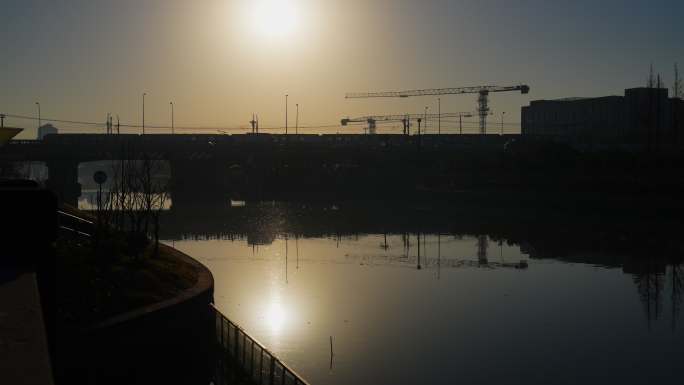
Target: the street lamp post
(286, 114)
(502, 121)
(439, 115)
(143, 117)
(39, 120)
(426, 121)
(172, 128)
(297, 120)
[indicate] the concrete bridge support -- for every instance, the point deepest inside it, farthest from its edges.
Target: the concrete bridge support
(63, 180)
(196, 181)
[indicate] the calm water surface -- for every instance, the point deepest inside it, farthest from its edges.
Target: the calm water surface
(464, 311)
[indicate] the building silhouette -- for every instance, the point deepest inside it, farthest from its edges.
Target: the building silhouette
(642, 119)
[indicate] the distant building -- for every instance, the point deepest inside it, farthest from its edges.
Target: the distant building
(644, 118)
(46, 129)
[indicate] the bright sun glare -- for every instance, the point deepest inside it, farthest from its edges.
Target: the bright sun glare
(275, 18)
(275, 317)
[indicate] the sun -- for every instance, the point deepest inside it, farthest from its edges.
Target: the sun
(275, 18)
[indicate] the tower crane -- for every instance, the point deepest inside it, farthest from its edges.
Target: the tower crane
(405, 119)
(482, 100)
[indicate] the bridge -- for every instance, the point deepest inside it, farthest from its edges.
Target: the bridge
(256, 164)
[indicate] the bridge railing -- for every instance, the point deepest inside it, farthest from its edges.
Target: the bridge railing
(260, 365)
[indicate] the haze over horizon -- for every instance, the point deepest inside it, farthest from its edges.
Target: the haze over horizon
(221, 60)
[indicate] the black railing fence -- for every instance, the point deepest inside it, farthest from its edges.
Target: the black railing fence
(70, 225)
(255, 361)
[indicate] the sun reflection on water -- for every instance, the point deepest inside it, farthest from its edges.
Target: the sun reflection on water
(276, 317)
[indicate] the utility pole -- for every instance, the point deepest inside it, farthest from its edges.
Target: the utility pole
(117, 125)
(297, 121)
(677, 86)
(143, 120)
(172, 125)
(286, 114)
(39, 121)
(460, 124)
(439, 116)
(425, 115)
(651, 78)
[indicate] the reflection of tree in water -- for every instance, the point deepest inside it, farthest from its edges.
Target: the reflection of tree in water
(649, 282)
(652, 277)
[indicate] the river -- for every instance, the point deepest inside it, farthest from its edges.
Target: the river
(441, 301)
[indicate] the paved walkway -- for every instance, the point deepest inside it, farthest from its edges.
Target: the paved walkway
(24, 357)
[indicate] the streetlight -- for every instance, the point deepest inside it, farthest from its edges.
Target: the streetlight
(172, 128)
(425, 128)
(286, 114)
(502, 121)
(143, 120)
(297, 121)
(39, 121)
(439, 115)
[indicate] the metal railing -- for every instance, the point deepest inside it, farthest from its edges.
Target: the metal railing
(74, 225)
(261, 366)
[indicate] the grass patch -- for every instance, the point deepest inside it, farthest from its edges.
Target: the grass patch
(91, 288)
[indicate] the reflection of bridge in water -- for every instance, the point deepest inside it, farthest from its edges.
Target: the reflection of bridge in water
(649, 252)
(419, 262)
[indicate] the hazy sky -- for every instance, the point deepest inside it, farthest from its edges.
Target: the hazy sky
(221, 60)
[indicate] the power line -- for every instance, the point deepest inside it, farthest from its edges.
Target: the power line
(125, 125)
(448, 126)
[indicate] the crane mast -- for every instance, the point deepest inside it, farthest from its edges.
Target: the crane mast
(482, 100)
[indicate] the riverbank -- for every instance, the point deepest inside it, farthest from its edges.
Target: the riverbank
(131, 319)
(91, 290)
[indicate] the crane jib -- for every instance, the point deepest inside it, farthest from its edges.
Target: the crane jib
(438, 91)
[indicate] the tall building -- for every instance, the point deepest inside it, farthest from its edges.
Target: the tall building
(642, 119)
(46, 129)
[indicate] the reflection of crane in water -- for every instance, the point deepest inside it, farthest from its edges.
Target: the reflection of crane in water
(429, 262)
(421, 260)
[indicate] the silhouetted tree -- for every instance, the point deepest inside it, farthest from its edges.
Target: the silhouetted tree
(155, 193)
(136, 200)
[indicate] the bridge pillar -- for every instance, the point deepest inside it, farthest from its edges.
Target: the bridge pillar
(197, 181)
(63, 180)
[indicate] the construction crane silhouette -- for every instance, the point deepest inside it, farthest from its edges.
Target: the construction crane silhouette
(405, 119)
(482, 99)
